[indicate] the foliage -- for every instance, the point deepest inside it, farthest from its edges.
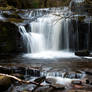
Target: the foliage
(33, 3)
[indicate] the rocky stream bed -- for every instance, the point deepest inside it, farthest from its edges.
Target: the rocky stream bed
(46, 75)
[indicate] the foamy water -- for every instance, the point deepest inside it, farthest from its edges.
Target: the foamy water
(50, 55)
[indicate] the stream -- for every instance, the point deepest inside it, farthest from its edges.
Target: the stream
(50, 37)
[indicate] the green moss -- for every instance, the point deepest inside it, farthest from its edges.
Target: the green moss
(14, 20)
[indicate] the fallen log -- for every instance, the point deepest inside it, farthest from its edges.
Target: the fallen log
(36, 82)
(19, 80)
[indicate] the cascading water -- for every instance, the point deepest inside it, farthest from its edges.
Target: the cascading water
(49, 33)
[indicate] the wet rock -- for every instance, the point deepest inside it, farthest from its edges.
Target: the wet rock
(44, 89)
(76, 82)
(58, 86)
(40, 79)
(54, 84)
(78, 91)
(88, 72)
(51, 81)
(87, 81)
(78, 86)
(82, 36)
(33, 72)
(82, 53)
(20, 71)
(7, 7)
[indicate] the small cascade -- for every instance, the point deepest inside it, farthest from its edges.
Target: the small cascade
(49, 36)
(75, 6)
(1, 17)
(26, 38)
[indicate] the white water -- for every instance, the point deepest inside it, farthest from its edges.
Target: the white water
(50, 55)
(63, 81)
(1, 17)
(48, 37)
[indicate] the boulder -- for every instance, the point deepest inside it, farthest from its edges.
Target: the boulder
(76, 82)
(5, 83)
(82, 53)
(51, 81)
(40, 79)
(58, 86)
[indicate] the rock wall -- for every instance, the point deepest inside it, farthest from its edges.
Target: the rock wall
(83, 38)
(9, 37)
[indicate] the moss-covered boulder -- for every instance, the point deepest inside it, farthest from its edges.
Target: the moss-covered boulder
(5, 83)
(9, 37)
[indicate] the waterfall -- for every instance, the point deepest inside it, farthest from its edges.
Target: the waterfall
(49, 35)
(49, 32)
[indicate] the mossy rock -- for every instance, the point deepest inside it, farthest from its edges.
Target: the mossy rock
(14, 15)
(7, 8)
(5, 83)
(82, 53)
(8, 37)
(14, 20)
